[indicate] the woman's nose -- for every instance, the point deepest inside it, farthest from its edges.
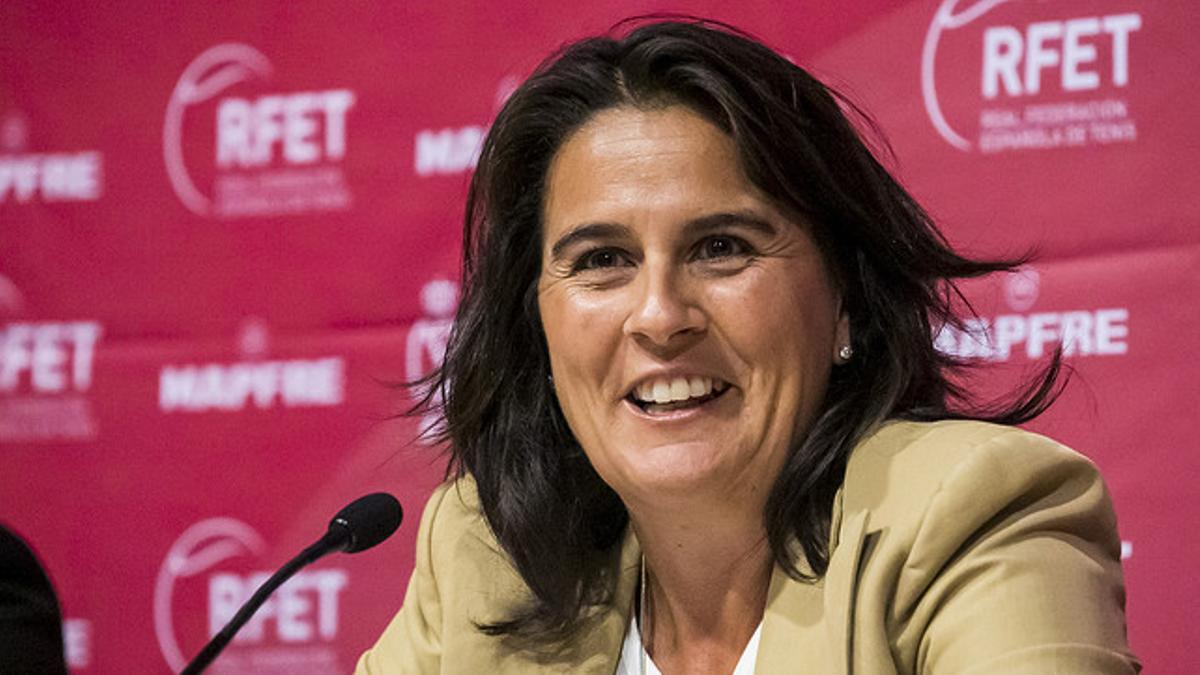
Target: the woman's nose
(666, 313)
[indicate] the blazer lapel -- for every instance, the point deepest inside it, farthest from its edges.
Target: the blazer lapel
(841, 588)
(808, 627)
(792, 638)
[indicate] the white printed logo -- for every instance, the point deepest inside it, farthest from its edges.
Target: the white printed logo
(426, 345)
(296, 383)
(14, 132)
(12, 302)
(448, 151)
(1098, 332)
(45, 374)
(47, 177)
(453, 150)
(303, 611)
(200, 548)
(77, 642)
(1017, 63)
(1021, 288)
(276, 153)
(254, 381)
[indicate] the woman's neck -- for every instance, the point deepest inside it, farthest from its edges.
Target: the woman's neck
(707, 575)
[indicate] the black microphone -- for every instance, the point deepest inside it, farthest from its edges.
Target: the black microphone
(366, 522)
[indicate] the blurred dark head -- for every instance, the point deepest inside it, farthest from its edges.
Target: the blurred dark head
(31, 639)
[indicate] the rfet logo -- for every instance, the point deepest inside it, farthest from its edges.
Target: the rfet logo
(206, 576)
(44, 176)
(234, 147)
(1004, 75)
(45, 375)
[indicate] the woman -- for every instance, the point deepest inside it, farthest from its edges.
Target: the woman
(697, 423)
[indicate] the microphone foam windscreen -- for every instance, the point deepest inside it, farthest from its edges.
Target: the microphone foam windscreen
(370, 520)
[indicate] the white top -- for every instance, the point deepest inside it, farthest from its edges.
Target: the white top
(631, 654)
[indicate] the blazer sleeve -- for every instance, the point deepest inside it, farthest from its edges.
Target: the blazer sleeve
(1021, 558)
(411, 643)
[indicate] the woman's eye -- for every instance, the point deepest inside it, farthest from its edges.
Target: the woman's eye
(722, 247)
(600, 258)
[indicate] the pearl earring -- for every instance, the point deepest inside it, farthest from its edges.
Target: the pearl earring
(846, 352)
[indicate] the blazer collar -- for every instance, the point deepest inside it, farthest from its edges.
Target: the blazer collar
(813, 619)
(816, 619)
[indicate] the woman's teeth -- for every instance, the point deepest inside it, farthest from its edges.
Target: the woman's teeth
(665, 391)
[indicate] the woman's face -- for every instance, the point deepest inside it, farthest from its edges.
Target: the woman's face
(691, 326)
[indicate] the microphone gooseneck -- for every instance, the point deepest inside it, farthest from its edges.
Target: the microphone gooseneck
(363, 523)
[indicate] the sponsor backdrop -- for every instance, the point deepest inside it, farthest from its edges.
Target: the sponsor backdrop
(227, 230)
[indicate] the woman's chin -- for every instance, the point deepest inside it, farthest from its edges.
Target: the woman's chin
(677, 470)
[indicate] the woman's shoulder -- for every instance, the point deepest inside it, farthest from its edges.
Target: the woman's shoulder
(941, 484)
(465, 562)
(980, 536)
(452, 517)
(921, 459)
(961, 475)
(949, 441)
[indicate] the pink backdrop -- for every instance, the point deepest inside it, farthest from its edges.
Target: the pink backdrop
(225, 229)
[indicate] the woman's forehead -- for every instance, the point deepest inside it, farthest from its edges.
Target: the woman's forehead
(630, 162)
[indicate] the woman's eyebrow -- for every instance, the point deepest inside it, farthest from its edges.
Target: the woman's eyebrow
(586, 232)
(727, 219)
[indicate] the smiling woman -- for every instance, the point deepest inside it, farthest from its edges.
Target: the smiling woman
(696, 418)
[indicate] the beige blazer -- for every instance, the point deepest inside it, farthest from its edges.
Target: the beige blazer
(958, 547)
